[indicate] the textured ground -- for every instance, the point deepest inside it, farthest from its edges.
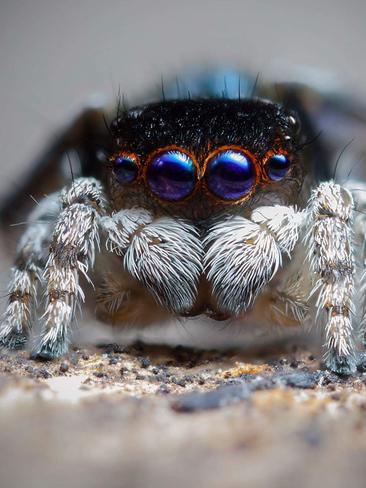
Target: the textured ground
(157, 416)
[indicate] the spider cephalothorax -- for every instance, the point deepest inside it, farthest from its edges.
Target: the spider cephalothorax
(200, 157)
(206, 206)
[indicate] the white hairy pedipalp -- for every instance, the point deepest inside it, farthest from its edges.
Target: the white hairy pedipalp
(243, 255)
(166, 256)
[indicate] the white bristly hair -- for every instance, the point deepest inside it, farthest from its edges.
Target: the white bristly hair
(166, 256)
(243, 255)
(330, 255)
(72, 250)
(27, 273)
(122, 225)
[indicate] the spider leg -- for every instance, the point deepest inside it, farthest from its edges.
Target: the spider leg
(290, 301)
(27, 273)
(71, 252)
(243, 255)
(358, 191)
(330, 253)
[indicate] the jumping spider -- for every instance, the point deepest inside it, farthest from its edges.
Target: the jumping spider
(207, 205)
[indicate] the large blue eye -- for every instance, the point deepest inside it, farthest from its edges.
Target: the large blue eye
(277, 166)
(125, 169)
(171, 175)
(230, 174)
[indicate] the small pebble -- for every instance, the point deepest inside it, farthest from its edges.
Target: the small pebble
(114, 348)
(302, 379)
(64, 367)
(161, 377)
(144, 362)
(100, 374)
(43, 373)
(163, 390)
(222, 396)
(179, 381)
(123, 371)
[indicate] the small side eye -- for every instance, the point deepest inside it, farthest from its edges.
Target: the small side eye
(277, 166)
(125, 168)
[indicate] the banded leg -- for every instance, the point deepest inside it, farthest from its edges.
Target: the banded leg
(71, 251)
(332, 262)
(27, 273)
(243, 255)
(358, 191)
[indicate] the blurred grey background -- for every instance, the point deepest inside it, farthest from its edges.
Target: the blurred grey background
(55, 55)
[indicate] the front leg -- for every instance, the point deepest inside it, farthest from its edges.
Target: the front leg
(331, 260)
(26, 274)
(71, 252)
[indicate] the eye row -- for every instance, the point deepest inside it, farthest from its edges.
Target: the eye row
(171, 174)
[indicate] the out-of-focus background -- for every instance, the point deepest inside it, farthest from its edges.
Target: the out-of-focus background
(56, 426)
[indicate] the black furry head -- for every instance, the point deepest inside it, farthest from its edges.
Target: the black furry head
(199, 129)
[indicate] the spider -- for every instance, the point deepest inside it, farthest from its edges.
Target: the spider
(215, 204)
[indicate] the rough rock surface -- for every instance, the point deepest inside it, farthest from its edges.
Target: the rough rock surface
(152, 416)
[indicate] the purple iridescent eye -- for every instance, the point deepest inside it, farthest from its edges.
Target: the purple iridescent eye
(125, 169)
(230, 174)
(277, 166)
(172, 175)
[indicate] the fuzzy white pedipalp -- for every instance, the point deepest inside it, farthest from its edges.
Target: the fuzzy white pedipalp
(122, 225)
(243, 255)
(166, 257)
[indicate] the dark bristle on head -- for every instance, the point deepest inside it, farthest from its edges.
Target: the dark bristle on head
(193, 124)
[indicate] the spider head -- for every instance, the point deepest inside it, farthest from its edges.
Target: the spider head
(196, 158)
